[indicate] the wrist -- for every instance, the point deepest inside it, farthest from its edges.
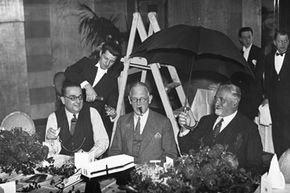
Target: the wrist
(191, 126)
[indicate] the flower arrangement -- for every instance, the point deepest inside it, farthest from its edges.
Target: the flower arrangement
(20, 152)
(211, 169)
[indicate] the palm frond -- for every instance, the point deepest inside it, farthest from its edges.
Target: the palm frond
(95, 29)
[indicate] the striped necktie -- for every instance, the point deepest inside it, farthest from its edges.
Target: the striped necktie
(73, 124)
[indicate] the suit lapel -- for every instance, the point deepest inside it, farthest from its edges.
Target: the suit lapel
(148, 132)
(130, 132)
(92, 75)
(284, 65)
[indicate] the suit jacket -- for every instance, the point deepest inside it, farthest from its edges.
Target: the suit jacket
(158, 138)
(252, 95)
(277, 86)
(107, 87)
(256, 55)
(240, 135)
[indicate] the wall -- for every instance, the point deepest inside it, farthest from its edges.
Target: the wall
(224, 15)
(14, 93)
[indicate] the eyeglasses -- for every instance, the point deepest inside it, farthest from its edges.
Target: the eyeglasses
(141, 100)
(220, 99)
(74, 98)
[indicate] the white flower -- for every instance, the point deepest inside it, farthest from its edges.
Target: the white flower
(254, 62)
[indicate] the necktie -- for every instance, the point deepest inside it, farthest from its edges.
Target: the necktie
(217, 128)
(279, 54)
(137, 128)
(73, 124)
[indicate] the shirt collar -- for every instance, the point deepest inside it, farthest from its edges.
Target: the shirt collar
(100, 69)
(245, 49)
(228, 118)
(70, 115)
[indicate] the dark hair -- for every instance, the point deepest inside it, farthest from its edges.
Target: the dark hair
(280, 32)
(67, 84)
(113, 47)
(140, 84)
(244, 29)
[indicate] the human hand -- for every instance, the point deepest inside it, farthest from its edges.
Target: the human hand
(184, 119)
(91, 94)
(110, 111)
(265, 101)
(52, 133)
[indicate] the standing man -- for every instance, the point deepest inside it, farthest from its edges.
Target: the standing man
(226, 127)
(253, 55)
(99, 80)
(277, 91)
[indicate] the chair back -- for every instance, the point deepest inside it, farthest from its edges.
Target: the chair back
(284, 163)
(18, 119)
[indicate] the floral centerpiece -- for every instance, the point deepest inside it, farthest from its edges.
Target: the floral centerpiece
(208, 170)
(20, 152)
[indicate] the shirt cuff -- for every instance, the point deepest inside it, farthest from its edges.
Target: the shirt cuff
(84, 83)
(183, 132)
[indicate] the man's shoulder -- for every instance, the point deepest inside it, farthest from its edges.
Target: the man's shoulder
(86, 61)
(245, 122)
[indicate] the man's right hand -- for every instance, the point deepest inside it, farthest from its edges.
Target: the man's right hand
(52, 134)
(265, 101)
(184, 119)
(91, 94)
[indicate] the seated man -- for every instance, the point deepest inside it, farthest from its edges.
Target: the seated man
(227, 127)
(143, 134)
(77, 128)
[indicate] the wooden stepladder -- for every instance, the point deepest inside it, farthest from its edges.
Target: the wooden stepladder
(137, 64)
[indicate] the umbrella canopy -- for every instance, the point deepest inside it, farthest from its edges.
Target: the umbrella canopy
(194, 48)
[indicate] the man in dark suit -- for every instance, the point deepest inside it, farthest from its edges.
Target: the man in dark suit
(143, 134)
(277, 91)
(227, 127)
(99, 80)
(253, 55)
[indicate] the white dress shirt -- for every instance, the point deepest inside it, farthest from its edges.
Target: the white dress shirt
(143, 120)
(226, 120)
(101, 139)
(246, 52)
(279, 62)
(99, 75)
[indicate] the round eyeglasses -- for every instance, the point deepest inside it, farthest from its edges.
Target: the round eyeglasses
(74, 98)
(140, 100)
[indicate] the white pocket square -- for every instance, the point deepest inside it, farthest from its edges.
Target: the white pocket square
(157, 135)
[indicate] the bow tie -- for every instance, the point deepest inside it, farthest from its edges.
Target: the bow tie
(279, 54)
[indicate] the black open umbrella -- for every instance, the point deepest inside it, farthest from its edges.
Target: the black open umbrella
(194, 48)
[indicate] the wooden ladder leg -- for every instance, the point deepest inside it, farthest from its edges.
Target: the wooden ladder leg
(124, 77)
(179, 89)
(165, 100)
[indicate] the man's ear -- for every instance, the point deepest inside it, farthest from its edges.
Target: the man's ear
(150, 98)
(129, 100)
(62, 99)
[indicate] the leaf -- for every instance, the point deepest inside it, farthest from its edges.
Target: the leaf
(95, 29)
